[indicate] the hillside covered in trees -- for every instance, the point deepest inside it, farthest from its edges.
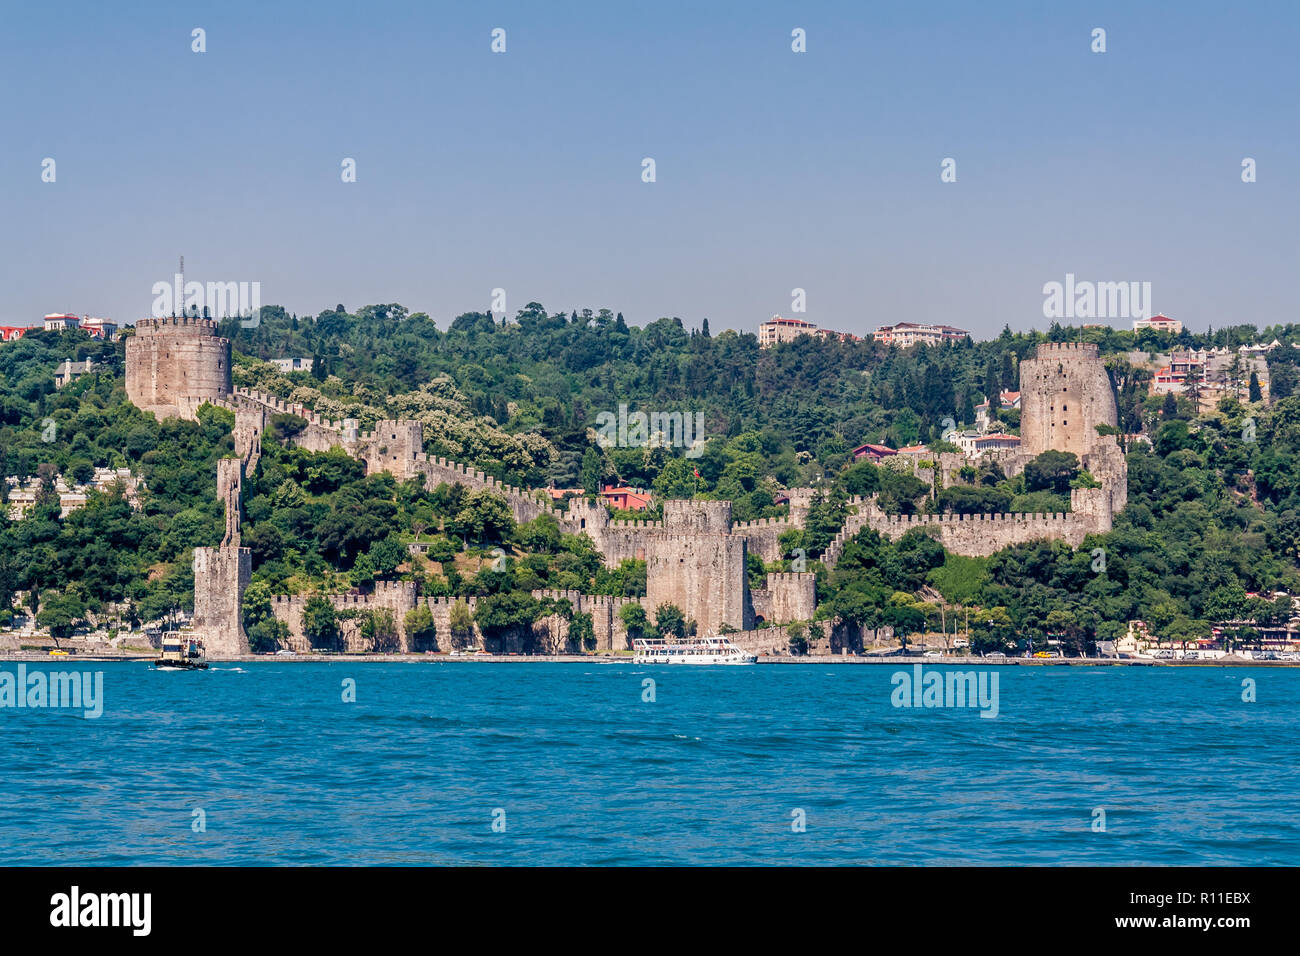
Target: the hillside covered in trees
(1213, 513)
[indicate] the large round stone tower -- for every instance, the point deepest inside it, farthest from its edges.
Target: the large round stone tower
(175, 364)
(1065, 394)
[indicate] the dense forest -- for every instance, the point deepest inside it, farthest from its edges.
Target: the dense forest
(1214, 500)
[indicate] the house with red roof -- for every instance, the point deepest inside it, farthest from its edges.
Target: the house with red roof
(1160, 323)
(872, 453)
(627, 499)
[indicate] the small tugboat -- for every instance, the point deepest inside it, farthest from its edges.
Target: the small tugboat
(705, 650)
(181, 652)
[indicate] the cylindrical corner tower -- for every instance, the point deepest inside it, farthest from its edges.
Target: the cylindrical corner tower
(174, 364)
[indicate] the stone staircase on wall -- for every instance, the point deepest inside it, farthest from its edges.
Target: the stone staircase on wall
(523, 504)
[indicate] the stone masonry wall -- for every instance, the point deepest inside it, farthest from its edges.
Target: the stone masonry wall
(398, 597)
(696, 558)
(704, 575)
(175, 364)
(220, 577)
(1065, 394)
(981, 535)
(787, 597)
(764, 536)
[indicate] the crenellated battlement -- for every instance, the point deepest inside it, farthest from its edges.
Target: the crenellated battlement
(633, 524)
(1067, 350)
(985, 534)
(608, 600)
(573, 596)
(916, 521)
(687, 514)
(684, 539)
(385, 592)
(582, 602)
(759, 523)
(1065, 394)
(155, 325)
(276, 404)
(447, 602)
(775, 578)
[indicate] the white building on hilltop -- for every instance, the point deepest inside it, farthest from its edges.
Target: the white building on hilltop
(1160, 323)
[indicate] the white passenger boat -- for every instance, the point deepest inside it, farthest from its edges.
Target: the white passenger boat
(704, 650)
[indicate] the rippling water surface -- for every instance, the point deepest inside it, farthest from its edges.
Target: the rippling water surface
(710, 772)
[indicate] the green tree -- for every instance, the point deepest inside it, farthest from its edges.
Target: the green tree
(905, 620)
(1051, 471)
(634, 621)
(542, 534)
(60, 612)
(593, 471)
(499, 614)
(582, 631)
(266, 633)
(379, 628)
(798, 635)
(461, 620)
(486, 517)
(320, 623)
(670, 621)
(421, 631)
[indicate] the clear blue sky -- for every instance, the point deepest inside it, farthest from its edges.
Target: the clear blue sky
(775, 170)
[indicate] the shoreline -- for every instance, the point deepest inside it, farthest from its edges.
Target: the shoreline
(29, 657)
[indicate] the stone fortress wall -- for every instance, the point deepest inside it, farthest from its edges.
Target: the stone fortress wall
(1065, 393)
(221, 574)
(696, 557)
(396, 597)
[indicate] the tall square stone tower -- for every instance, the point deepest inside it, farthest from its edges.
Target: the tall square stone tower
(221, 577)
(1065, 394)
(704, 575)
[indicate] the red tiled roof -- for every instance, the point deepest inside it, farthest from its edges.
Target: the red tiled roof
(877, 449)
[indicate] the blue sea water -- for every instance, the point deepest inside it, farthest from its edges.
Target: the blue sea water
(583, 771)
